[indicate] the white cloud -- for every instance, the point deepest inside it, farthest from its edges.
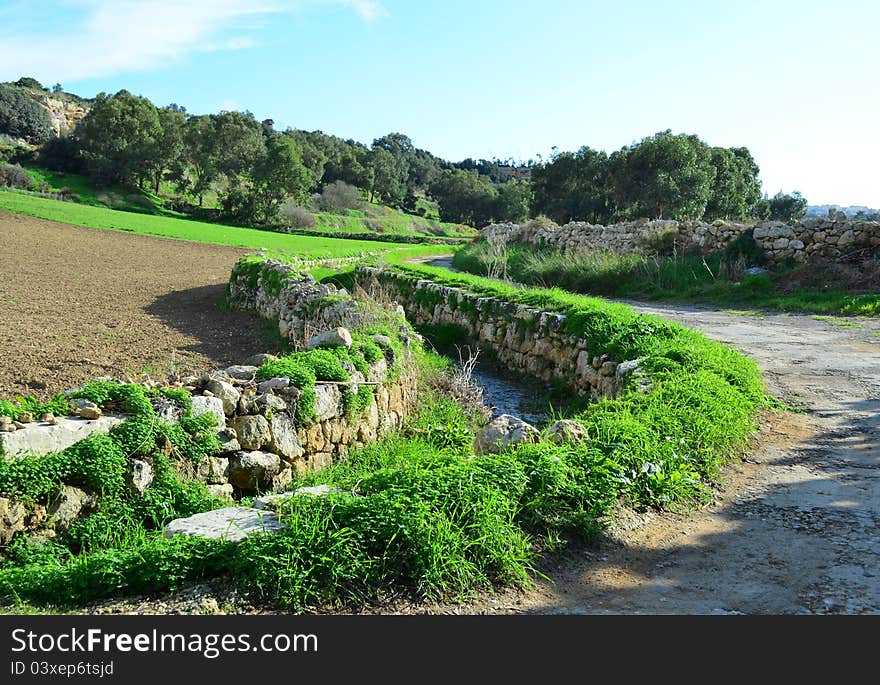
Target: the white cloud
(118, 36)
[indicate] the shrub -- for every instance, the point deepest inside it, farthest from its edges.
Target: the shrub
(22, 117)
(13, 176)
(339, 196)
(296, 216)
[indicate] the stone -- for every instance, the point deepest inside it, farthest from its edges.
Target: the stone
(67, 506)
(252, 431)
(203, 404)
(167, 409)
(45, 438)
(89, 413)
(259, 359)
(267, 403)
(226, 392)
(13, 515)
(567, 430)
(140, 475)
(241, 372)
(218, 470)
(328, 402)
(382, 340)
(284, 441)
(221, 491)
(271, 501)
(250, 471)
(228, 441)
(271, 384)
(336, 337)
(25, 417)
(231, 524)
(502, 433)
(49, 418)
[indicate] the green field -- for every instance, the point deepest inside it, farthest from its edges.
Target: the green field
(196, 231)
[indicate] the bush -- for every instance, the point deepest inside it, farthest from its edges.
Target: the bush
(13, 176)
(21, 117)
(296, 216)
(339, 196)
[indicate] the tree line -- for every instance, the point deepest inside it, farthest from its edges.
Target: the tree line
(253, 168)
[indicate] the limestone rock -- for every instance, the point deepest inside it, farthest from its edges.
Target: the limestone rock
(284, 441)
(328, 401)
(202, 404)
(141, 475)
(218, 470)
(567, 430)
(250, 471)
(252, 431)
(271, 501)
(503, 432)
(267, 403)
(12, 519)
(68, 506)
(259, 359)
(221, 491)
(166, 409)
(226, 392)
(228, 441)
(231, 524)
(89, 413)
(271, 384)
(336, 337)
(241, 372)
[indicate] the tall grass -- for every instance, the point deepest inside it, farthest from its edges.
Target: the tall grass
(717, 278)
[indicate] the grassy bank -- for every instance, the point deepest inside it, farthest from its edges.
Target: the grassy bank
(717, 279)
(196, 231)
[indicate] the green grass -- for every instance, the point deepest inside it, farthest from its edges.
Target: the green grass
(713, 280)
(416, 510)
(196, 231)
(386, 221)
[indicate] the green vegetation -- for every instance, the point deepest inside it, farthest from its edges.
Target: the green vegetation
(415, 510)
(21, 116)
(197, 231)
(717, 278)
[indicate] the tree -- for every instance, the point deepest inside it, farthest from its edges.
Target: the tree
(199, 163)
(238, 143)
(573, 186)
(168, 145)
(277, 175)
(119, 137)
(788, 208)
(387, 177)
(22, 117)
(465, 197)
(664, 176)
(513, 201)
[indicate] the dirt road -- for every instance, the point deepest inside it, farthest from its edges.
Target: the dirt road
(76, 303)
(798, 527)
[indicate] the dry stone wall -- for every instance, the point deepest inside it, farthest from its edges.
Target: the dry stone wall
(805, 241)
(524, 339)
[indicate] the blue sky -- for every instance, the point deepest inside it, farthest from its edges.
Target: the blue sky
(797, 82)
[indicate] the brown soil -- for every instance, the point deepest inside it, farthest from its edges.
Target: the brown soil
(76, 303)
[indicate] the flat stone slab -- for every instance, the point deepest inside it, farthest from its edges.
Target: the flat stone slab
(43, 438)
(231, 524)
(269, 501)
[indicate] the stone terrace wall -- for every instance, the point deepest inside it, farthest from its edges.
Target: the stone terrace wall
(804, 241)
(524, 339)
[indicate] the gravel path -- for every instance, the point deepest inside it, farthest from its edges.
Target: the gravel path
(76, 303)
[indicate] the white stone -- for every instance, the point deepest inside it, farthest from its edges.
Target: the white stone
(503, 432)
(328, 399)
(202, 404)
(227, 393)
(38, 438)
(231, 524)
(337, 337)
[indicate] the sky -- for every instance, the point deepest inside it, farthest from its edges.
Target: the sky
(795, 81)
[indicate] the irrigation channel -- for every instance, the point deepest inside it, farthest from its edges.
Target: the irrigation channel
(795, 528)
